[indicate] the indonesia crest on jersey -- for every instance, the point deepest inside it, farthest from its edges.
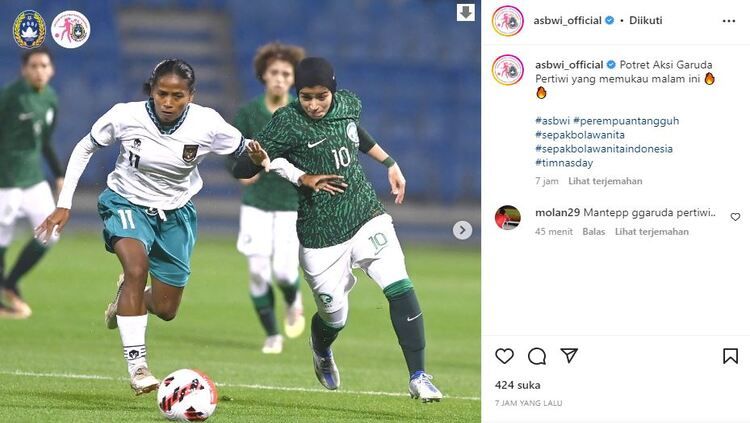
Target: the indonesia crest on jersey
(158, 167)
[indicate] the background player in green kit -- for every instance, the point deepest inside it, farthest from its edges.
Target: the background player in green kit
(320, 134)
(28, 110)
(267, 235)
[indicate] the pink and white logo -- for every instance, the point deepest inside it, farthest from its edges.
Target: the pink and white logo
(507, 69)
(70, 29)
(507, 21)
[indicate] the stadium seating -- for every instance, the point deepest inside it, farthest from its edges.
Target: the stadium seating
(415, 68)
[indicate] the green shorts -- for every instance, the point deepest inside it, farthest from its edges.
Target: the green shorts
(169, 243)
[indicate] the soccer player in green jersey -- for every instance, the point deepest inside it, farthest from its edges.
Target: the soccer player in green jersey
(28, 110)
(320, 134)
(267, 235)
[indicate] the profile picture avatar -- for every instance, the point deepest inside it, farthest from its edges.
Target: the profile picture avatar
(507, 21)
(507, 217)
(507, 69)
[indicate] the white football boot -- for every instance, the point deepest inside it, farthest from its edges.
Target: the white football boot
(110, 314)
(421, 387)
(22, 310)
(274, 345)
(9, 313)
(142, 381)
(325, 369)
(294, 324)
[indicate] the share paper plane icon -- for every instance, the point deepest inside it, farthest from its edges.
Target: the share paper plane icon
(569, 353)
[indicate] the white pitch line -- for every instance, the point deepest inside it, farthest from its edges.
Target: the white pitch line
(58, 375)
(228, 385)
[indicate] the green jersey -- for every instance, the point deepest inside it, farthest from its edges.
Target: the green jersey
(270, 192)
(28, 118)
(325, 146)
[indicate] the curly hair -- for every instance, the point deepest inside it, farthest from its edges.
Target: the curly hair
(268, 53)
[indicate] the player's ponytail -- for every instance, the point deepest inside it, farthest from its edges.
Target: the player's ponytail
(177, 67)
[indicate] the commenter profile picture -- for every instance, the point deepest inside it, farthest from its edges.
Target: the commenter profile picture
(507, 217)
(507, 69)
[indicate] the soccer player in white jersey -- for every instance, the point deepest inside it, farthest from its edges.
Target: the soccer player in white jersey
(149, 220)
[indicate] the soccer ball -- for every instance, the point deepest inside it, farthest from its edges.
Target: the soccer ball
(188, 395)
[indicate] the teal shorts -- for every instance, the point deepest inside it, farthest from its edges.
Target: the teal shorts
(169, 243)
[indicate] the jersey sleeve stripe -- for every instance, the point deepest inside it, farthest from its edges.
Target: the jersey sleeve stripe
(240, 149)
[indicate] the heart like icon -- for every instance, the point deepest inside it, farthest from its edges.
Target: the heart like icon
(735, 216)
(504, 355)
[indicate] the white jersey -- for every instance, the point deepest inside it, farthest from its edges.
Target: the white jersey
(158, 168)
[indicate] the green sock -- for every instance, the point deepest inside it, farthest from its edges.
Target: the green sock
(322, 335)
(408, 323)
(290, 291)
(264, 307)
(30, 256)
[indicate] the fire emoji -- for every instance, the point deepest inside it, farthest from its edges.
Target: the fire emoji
(541, 92)
(710, 79)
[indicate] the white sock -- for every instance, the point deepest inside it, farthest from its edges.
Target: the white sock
(133, 336)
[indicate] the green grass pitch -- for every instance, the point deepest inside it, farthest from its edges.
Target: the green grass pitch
(63, 365)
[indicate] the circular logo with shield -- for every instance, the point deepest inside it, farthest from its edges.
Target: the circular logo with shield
(351, 132)
(29, 29)
(325, 299)
(507, 69)
(507, 21)
(70, 29)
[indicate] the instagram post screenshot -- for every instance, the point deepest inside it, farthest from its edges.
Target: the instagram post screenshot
(496, 211)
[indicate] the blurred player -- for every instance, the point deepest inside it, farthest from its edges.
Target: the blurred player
(149, 219)
(268, 237)
(28, 110)
(319, 133)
